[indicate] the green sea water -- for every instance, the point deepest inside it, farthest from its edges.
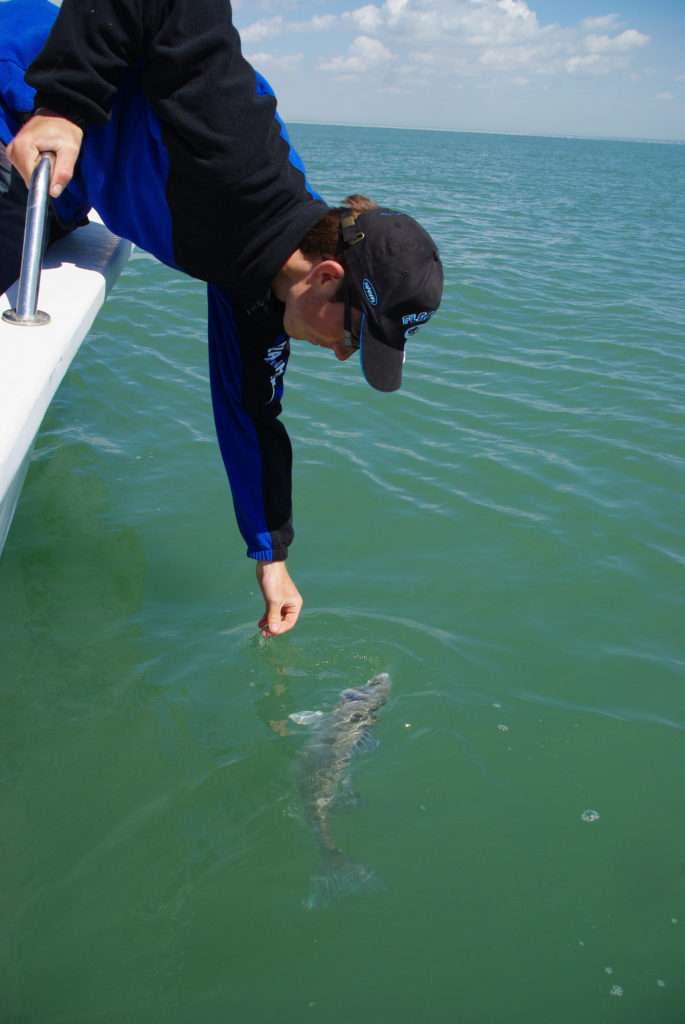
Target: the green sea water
(504, 537)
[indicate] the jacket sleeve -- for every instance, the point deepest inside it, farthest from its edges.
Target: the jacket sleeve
(246, 378)
(92, 43)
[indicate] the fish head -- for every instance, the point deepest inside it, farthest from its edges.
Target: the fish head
(370, 696)
(379, 688)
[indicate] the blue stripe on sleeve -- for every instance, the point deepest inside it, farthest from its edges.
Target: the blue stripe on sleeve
(264, 89)
(236, 432)
(131, 201)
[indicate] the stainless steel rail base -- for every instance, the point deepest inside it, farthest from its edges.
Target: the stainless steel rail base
(10, 316)
(25, 313)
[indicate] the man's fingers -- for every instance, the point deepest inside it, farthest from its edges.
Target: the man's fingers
(24, 155)
(274, 622)
(290, 617)
(279, 620)
(47, 133)
(63, 171)
(282, 600)
(270, 622)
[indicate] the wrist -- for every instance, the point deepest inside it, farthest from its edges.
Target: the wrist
(272, 566)
(74, 119)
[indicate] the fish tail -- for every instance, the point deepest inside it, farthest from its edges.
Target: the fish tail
(337, 878)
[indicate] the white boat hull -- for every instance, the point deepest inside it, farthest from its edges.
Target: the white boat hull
(78, 273)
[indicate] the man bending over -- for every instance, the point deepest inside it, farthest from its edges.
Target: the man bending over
(160, 124)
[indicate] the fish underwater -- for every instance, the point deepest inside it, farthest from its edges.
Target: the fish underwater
(324, 780)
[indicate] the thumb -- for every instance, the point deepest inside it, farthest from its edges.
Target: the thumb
(273, 617)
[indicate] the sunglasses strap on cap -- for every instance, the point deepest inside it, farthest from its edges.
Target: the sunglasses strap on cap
(351, 235)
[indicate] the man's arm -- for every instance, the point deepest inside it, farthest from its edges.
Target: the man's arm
(89, 47)
(75, 76)
(190, 63)
(246, 377)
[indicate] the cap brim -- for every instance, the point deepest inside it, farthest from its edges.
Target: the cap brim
(381, 365)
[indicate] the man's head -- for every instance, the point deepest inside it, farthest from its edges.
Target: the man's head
(365, 277)
(313, 298)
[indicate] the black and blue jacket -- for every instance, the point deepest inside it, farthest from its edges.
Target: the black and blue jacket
(184, 155)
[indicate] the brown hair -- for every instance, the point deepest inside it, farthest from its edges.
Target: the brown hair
(323, 239)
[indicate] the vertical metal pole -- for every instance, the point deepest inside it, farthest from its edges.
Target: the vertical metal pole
(25, 313)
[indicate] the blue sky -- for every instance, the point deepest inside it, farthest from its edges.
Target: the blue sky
(534, 66)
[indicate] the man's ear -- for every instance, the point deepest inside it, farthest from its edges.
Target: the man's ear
(328, 271)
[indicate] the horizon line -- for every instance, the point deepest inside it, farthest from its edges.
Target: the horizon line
(492, 131)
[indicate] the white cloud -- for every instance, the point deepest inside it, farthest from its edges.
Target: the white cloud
(628, 40)
(606, 21)
(441, 23)
(262, 29)
(279, 6)
(589, 61)
(274, 62)
(277, 26)
(365, 54)
(517, 9)
(509, 58)
(396, 7)
(368, 18)
(462, 38)
(319, 23)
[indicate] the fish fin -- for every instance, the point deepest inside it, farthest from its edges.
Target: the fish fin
(338, 878)
(306, 717)
(366, 742)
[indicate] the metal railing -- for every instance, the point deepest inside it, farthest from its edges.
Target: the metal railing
(25, 312)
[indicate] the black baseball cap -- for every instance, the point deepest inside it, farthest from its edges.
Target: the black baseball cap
(393, 274)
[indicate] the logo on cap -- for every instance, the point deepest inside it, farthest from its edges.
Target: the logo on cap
(417, 318)
(370, 292)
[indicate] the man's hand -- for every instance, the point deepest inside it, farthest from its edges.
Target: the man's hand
(282, 599)
(47, 133)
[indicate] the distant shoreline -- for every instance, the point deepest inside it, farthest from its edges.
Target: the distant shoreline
(483, 131)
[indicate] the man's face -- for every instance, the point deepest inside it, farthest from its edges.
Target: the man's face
(314, 313)
(323, 324)
(331, 333)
